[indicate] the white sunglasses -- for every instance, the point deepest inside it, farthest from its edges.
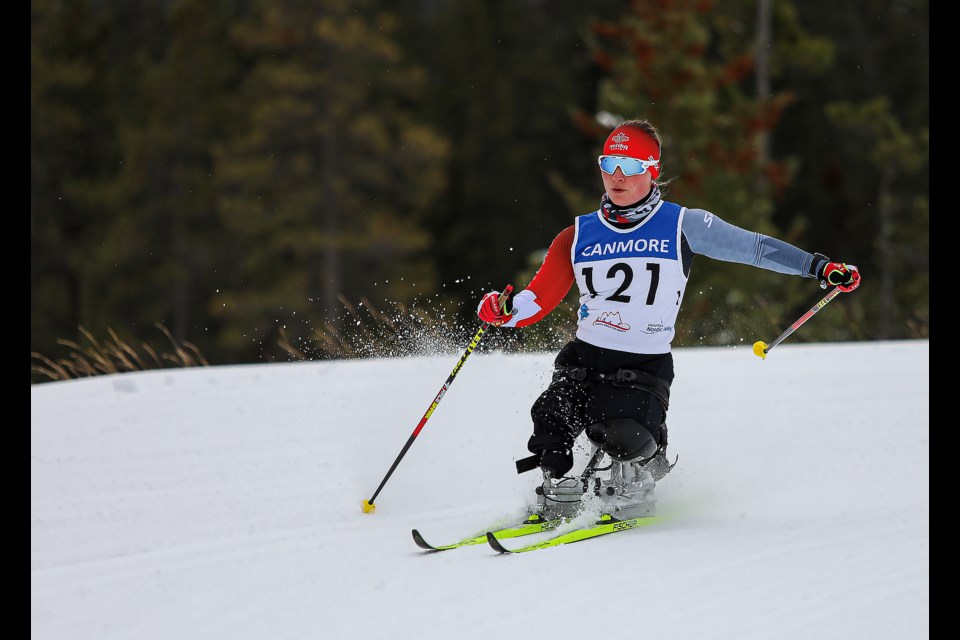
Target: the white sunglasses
(629, 166)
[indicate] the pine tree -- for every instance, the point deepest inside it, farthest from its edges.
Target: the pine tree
(324, 183)
(73, 146)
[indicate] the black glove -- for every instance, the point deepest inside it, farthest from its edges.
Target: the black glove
(835, 274)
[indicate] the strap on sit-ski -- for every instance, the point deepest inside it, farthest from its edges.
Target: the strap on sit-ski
(631, 378)
(532, 462)
(528, 464)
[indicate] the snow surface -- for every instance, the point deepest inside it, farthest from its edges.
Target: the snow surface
(225, 502)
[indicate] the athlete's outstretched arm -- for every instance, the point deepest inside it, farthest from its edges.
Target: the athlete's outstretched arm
(710, 236)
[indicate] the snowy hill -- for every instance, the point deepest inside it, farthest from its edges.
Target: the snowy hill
(225, 502)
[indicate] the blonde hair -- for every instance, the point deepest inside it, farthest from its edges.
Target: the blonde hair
(646, 127)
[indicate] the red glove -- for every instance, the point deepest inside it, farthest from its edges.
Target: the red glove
(489, 309)
(838, 274)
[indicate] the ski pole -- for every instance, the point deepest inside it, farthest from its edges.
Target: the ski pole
(368, 506)
(761, 349)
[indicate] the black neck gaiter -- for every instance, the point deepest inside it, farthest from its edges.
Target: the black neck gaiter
(630, 213)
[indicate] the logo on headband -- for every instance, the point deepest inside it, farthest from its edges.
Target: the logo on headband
(618, 141)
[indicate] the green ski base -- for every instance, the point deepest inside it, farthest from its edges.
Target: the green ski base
(533, 524)
(606, 524)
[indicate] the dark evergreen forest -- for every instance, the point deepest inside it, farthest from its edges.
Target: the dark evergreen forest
(274, 180)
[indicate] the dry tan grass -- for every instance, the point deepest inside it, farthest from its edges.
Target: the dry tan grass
(114, 356)
(362, 331)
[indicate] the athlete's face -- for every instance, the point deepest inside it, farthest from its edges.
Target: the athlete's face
(624, 190)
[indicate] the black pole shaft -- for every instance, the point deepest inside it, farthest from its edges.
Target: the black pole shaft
(809, 314)
(443, 390)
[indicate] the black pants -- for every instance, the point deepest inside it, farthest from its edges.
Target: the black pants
(568, 406)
